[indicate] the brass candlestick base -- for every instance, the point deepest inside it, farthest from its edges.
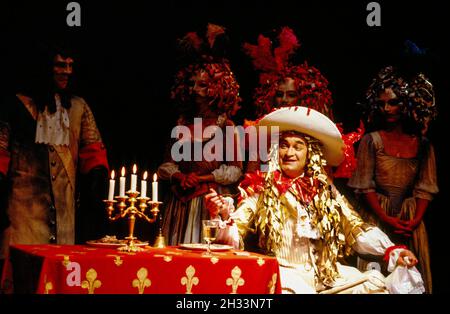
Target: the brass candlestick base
(132, 212)
(130, 246)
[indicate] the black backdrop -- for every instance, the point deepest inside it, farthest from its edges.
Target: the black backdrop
(126, 64)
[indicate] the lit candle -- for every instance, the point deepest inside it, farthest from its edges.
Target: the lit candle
(144, 185)
(112, 185)
(122, 183)
(134, 178)
(155, 188)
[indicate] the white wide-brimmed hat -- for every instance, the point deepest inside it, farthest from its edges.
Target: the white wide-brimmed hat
(310, 122)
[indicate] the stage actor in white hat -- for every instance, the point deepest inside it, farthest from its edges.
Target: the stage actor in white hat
(292, 212)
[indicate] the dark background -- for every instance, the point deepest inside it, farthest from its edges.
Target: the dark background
(126, 61)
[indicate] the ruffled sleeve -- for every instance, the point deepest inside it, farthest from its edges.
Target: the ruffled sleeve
(426, 184)
(167, 169)
(362, 179)
(227, 174)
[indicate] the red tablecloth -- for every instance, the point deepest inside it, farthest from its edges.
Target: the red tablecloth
(83, 269)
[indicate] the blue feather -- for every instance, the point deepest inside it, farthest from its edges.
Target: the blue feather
(412, 49)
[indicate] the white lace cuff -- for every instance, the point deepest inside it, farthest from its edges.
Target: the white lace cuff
(373, 242)
(227, 174)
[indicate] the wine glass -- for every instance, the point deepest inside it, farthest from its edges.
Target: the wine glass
(210, 232)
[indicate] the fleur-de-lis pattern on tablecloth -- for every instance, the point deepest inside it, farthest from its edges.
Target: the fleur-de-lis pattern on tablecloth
(214, 260)
(47, 286)
(190, 280)
(166, 258)
(66, 260)
(141, 282)
(117, 259)
(91, 283)
(272, 284)
(171, 271)
(235, 281)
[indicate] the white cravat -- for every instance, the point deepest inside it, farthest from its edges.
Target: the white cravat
(53, 128)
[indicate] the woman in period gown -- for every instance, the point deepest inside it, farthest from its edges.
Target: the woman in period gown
(190, 181)
(396, 169)
(207, 95)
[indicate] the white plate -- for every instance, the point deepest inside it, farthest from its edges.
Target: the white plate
(204, 247)
(99, 244)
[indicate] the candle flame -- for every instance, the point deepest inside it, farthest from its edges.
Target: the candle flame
(134, 169)
(145, 175)
(123, 172)
(155, 177)
(113, 174)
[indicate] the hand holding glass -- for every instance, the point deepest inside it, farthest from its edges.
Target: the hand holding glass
(210, 232)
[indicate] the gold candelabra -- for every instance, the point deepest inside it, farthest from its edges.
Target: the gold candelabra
(123, 210)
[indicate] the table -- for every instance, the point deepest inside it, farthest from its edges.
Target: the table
(81, 269)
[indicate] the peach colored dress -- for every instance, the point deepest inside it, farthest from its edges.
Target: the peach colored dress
(398, 182)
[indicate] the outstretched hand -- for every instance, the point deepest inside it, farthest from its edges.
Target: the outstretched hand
(217, 205)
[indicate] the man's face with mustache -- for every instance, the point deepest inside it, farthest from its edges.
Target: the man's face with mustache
(62, 70)
(293, 152)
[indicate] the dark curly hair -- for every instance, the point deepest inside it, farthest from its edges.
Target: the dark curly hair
(389, 78)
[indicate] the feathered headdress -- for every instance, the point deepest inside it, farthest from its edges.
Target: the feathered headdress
(263, 58)
(312, 86)
(206, 55)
